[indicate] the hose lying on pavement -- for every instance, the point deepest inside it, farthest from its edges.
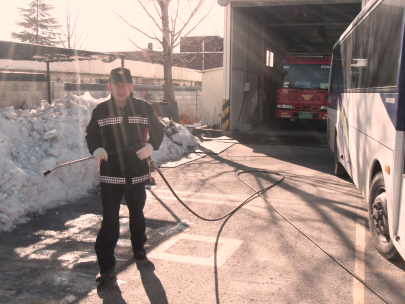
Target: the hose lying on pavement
(260, 193)
(254, 195)
(228, 214)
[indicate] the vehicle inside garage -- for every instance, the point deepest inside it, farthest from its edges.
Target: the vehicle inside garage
(258, 35)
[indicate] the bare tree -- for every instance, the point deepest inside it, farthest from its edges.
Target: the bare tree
(171, 19)
(71, 37)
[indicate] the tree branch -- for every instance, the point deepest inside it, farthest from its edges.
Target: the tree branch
(174, 22)
(132, 42)
(156, 9)
(177, 35)
(150, 16)
(138, 29)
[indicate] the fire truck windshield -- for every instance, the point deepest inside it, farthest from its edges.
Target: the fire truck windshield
(306, 76)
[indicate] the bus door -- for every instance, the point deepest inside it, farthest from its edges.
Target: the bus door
(401, 220)
(343, 136)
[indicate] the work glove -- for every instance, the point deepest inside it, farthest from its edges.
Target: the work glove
(145, 152)
(100, 154)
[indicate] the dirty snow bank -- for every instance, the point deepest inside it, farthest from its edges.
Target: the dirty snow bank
(41, 137)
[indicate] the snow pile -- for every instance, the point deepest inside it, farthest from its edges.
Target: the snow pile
(41, 137)
(177, 142)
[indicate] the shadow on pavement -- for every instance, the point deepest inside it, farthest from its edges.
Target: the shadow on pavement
(153, 286)
(112, 297)
(51, 258)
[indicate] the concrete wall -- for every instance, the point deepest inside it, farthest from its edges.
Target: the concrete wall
(188, 98)
(20, 94)
(148, 79)
(211, 96)
(16, 93)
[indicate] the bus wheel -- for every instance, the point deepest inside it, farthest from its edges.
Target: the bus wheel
(339, 170)
(378, 219)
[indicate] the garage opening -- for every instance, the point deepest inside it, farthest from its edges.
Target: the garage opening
(262, 35)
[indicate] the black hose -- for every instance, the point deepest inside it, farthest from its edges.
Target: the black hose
(257, 193)
(314, 242)
(228, 214)
(260, 193)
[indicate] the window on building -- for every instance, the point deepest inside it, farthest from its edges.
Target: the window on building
(269, 58)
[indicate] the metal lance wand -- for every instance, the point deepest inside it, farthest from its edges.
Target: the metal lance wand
(135, 148)
(65, 164)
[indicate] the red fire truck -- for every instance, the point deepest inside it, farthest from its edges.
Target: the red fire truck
(304, 90)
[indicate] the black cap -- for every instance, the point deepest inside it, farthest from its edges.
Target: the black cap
(120, 75)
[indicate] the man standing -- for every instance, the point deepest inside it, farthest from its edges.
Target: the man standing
(122, 134)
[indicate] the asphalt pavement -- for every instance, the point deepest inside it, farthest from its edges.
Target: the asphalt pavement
(298, 243)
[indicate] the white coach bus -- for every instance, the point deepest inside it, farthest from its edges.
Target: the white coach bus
(366, 117)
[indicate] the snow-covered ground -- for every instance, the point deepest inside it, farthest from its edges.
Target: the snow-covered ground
(39, 138)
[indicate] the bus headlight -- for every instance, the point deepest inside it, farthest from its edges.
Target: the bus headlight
(324, 108)
(284, 106)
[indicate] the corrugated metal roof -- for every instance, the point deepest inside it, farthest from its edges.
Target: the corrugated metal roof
(34, 52)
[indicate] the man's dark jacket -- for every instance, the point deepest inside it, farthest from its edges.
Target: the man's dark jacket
(121, 132)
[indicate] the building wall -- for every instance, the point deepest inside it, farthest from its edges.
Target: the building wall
(211, 97)
(197, 53)
(201, 52)
(247, 60)
(200, 44)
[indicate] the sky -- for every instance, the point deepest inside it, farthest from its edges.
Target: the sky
(104, 31)
(40, 137)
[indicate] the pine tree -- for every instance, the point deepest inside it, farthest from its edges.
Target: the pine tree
(39, 26)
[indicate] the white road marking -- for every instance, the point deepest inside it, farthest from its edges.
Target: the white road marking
(227, 248)
(360, 267)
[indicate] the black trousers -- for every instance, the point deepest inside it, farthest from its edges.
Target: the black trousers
(107, 238)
